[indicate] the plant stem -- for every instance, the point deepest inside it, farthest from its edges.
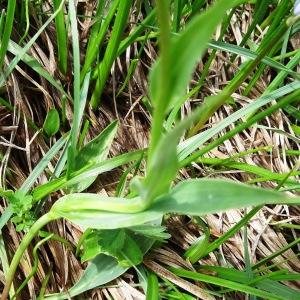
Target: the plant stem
(41, 222)
(165, 79)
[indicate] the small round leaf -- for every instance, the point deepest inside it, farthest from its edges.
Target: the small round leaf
(52, 122)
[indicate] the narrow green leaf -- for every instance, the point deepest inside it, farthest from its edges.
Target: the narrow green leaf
(24, 50)
(278, 289)
(152, 287)
(15, 49)
(260, 282)
(76, 66)
(9, 19)
(61, 37)
(226, 283)
(97, 36)
(187, 48)
(136, 33)
(244, 52)
(90, 171)
(4, 261)
(190, 145)
(92, 153)
(111, 50)
(198, 248)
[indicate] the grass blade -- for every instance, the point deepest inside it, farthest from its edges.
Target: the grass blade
(111, 51)
(152, 287)
(16, 60)
(225, 283)
(9, 20)
(76, 66)
(95, 41)
(61, 37)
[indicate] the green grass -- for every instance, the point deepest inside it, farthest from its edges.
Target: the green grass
(61, 36)
(200, 85)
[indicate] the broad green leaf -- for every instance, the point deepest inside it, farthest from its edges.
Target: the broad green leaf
(207, 196)
(118, 243)
(108, 242)
(197, 197)
(97, 211)
(92, 153)
(187, 49)
(101, 270)
(52, 122)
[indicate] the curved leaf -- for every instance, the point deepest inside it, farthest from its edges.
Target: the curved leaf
(207, 196)
(187, 48)
(101, 270)
(192, 197)
(92, 153)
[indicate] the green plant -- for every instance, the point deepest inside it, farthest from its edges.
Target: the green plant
(137, 216)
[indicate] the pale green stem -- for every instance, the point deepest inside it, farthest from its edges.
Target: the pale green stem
(41, 222)
(165, 80)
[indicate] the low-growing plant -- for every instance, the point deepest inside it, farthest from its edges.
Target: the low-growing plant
(119, 230)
